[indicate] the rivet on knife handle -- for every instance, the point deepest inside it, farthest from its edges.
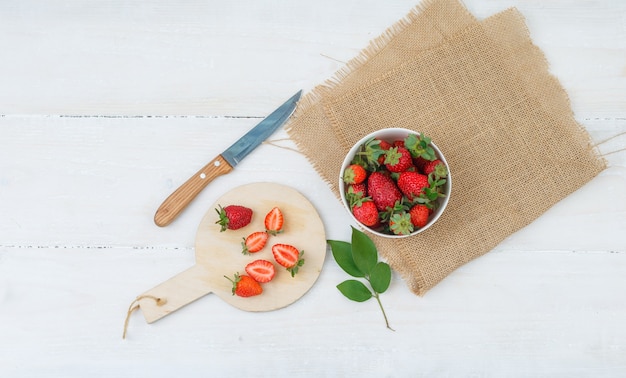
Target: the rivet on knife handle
(177, 201)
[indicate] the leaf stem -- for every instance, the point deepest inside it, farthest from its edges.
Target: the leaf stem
(382, 309)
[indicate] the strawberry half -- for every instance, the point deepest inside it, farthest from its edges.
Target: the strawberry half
(261, 271)
(288, 256)
(245, 286)
(254, 242)
(274, 221)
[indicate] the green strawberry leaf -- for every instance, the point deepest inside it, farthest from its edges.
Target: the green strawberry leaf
(429, 154)
(380, 277)
(342, 252)
(363, 251)
(354, 290)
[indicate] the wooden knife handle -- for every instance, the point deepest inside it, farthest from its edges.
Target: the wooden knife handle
(177, 201)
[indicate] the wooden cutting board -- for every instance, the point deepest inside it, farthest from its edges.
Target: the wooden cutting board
(218, 254)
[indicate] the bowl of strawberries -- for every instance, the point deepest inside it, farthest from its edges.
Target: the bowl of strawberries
(395, 182)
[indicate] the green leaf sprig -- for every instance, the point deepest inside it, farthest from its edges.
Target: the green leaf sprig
(360, 259)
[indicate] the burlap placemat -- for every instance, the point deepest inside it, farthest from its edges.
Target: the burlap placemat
(483, 92)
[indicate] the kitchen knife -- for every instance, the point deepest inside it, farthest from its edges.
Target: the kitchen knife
(223, 163)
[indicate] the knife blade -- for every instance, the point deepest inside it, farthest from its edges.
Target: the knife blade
(223, 163)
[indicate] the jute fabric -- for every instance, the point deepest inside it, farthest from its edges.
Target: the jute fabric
(483, 92)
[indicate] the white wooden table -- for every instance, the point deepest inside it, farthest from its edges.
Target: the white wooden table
(106, 107)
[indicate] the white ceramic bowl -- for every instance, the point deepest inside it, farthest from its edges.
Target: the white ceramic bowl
(390, 135)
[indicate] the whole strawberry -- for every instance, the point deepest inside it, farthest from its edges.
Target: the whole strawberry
(383, 190)
(354, 174)
(400, 223)
(245, 286)
(365, 211)
(384, 146)
(233, 217)
(398, 143)
(412, 184)
(398, 159)
(420, 162)
(419, 215)
(358, 190)
(436, 166)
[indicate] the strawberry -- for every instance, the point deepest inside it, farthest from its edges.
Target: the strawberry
(383, 190)
(412, 184)
(274, 221)
(359, 190)
(398, 159)
(436, 166)
(288, 256)
(384, 146)
(254, 242)
(419, 215)
(420, 162)
(400, 223)
(261, 271)
(354, 174)
(245, 286)
(355, 193)
(233, 217)
(365, 211)
(398, 143)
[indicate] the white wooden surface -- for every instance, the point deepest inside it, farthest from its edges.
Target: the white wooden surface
(107, 106)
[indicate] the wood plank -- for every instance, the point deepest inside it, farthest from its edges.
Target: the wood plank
(512, 312)
(219, 58)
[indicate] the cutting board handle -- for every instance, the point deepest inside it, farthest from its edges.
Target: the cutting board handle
(175, 293)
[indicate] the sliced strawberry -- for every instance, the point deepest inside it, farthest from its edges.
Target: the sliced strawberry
(261, 270)
(288, 256)
(254, 242)
(274, 221)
